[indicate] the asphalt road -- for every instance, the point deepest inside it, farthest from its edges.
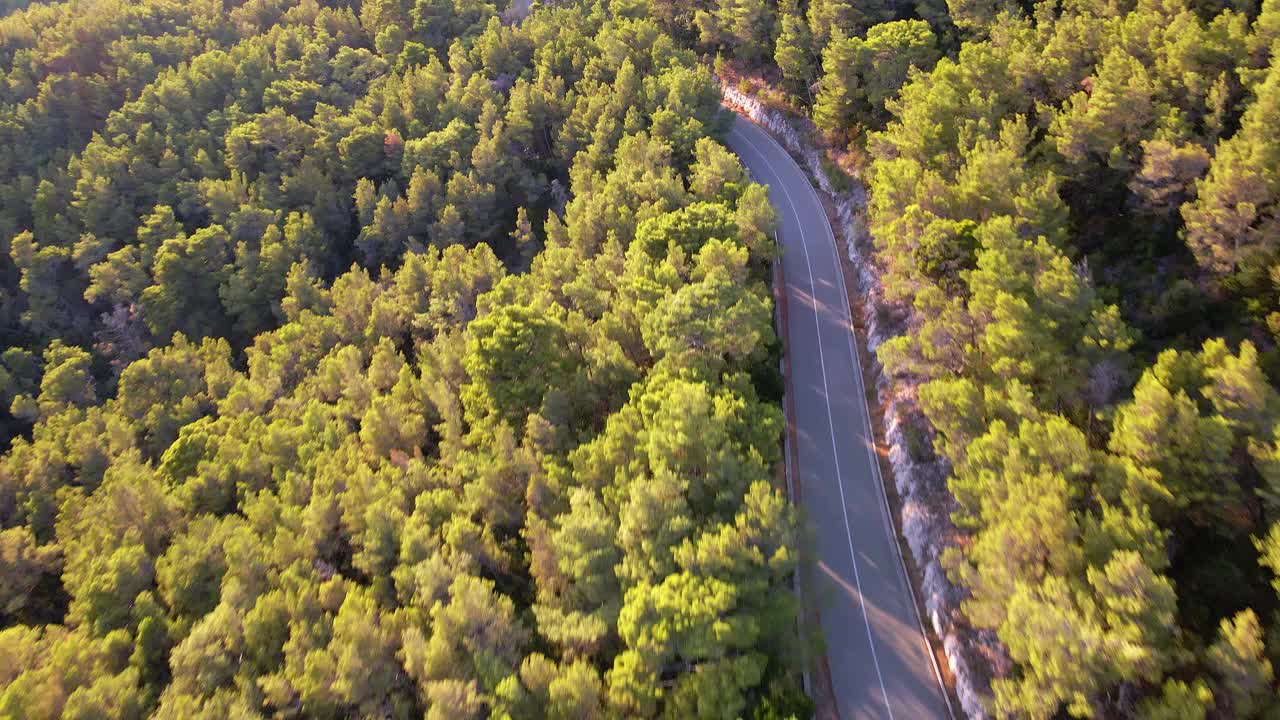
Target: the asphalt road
(880, 663)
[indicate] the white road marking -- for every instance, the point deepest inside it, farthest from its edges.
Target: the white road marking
(874, 460)
(835, 451)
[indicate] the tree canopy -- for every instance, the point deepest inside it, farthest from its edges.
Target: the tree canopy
(383, 358)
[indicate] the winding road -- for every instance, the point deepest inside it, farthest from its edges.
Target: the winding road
(879, 659)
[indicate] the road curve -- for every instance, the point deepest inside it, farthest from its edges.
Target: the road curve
(881, 666)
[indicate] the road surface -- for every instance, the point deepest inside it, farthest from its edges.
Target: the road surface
(880, 662)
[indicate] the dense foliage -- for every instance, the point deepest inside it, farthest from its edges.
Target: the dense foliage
(1080, 200)
(382, 359)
